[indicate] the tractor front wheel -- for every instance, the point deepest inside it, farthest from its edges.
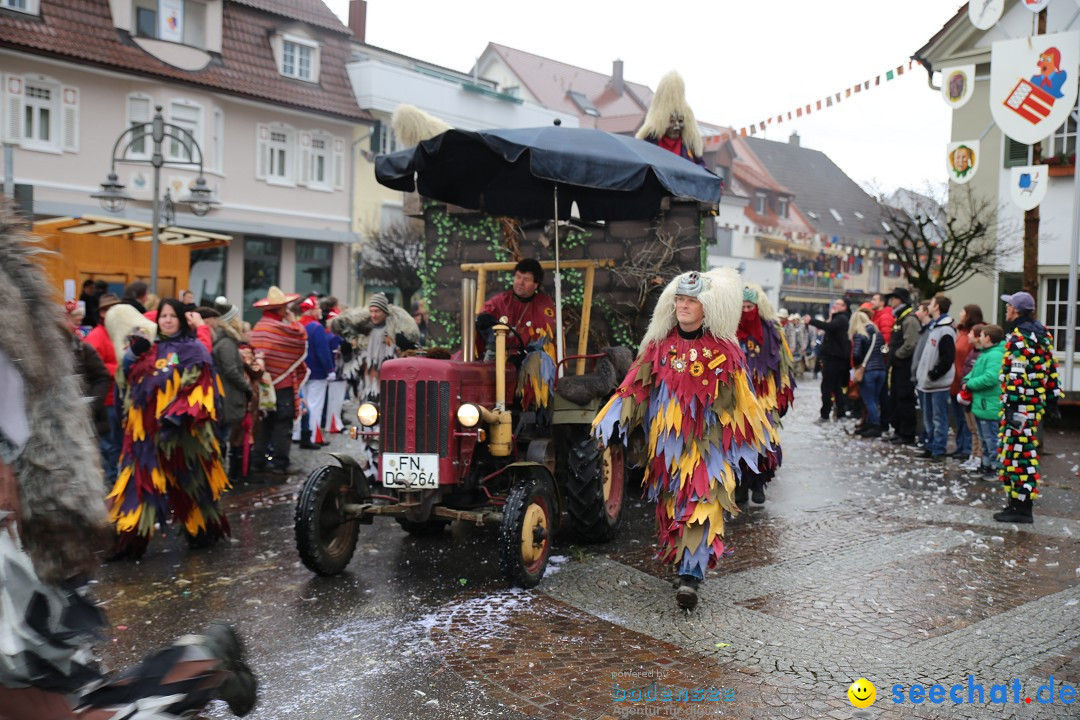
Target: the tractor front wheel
(527, 526)
(595, 488)
(325, 537)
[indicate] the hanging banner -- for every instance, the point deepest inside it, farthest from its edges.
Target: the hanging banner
(985, 13)
(1035, 5)
(1027, 185)
(1033, 84)
(963, 160)
(171, 20)
(957, 85)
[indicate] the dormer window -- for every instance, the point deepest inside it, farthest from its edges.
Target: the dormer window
(782, 207)
(760, 202)
(178, 21)
(30, 7)
(299, 58)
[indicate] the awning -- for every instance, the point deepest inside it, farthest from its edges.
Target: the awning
(133, 229)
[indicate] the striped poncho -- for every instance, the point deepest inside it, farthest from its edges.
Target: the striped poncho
(170, 462)
(284, 347)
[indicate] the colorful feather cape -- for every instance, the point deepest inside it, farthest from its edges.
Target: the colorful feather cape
(170, 460)
(537, 377)
(772, 374)
(702, 420)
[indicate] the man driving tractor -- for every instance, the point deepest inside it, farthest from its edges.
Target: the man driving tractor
(527, 309)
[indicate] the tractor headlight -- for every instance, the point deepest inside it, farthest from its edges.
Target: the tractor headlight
(367, 414)
(468, 415)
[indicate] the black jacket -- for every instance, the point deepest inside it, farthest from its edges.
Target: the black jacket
(835, 344)
(95, 382)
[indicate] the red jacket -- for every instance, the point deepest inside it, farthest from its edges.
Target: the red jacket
(884, 321)
(99, 340)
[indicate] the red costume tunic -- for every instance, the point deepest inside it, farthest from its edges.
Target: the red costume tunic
(533, 318)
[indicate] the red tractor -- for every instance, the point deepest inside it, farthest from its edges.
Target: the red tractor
(451, 447)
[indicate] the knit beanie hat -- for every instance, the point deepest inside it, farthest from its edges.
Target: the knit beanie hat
(227, 310)
(379, 300)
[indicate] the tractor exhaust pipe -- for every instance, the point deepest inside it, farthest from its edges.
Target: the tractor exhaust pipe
(468, 319)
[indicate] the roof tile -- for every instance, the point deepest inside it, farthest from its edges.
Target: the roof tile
(83, 32)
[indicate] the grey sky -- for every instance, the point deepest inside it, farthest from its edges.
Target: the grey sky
(742, 61)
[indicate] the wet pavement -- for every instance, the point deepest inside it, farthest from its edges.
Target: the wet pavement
(864, 562)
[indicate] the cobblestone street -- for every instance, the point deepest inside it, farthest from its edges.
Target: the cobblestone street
(864, 562)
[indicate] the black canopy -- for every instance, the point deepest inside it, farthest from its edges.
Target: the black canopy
(514, 172)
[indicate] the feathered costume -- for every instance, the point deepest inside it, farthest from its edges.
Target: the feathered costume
(771, 369)
(170, 461)
(371, 345)
(1029, 379)
(692, 394)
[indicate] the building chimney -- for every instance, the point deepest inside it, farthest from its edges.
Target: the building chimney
(358, 19)
(794, 139)
(616, 77)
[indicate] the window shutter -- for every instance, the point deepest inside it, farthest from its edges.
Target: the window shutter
(339, 164)
(70, 118)
(262, 150)
(13, 108)
(304, 176)
(1016, 153)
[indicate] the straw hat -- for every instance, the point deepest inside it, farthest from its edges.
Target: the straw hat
(275, 298)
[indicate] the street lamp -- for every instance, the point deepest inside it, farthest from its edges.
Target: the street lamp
(112, 195)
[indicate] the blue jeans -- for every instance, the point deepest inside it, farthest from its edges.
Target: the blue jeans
(870, 391)
(110, 444)
(936, 420)
(963, 433)
(988, 432)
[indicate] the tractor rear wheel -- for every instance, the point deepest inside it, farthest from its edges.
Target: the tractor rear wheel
(595, 488)
(325, 538)
(527, 526)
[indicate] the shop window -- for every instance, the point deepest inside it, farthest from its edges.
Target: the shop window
(262, 261)
(313, 260)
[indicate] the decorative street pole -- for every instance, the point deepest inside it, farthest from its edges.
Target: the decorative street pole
(112, 195)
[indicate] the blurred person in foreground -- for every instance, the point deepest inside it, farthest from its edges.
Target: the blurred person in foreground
(52, 522)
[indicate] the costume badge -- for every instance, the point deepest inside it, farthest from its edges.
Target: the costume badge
(550, 312)
(693, 354)
(696, 368)
(678, 364)
(706, 353)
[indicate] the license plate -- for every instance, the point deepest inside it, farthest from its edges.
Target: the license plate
(412, 472)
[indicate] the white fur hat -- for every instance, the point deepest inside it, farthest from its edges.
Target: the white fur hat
(721, 298)
(121, 321)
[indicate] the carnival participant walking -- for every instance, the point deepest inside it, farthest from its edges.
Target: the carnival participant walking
(1029, 389)
(984, 383)
(868, 357)
(690, 389)
(171, 459)
(769, 364)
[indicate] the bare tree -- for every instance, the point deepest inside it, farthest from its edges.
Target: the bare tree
(941, 242)
(393, 255)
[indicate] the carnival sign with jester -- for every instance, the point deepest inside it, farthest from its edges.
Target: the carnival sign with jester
(1033, 84)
